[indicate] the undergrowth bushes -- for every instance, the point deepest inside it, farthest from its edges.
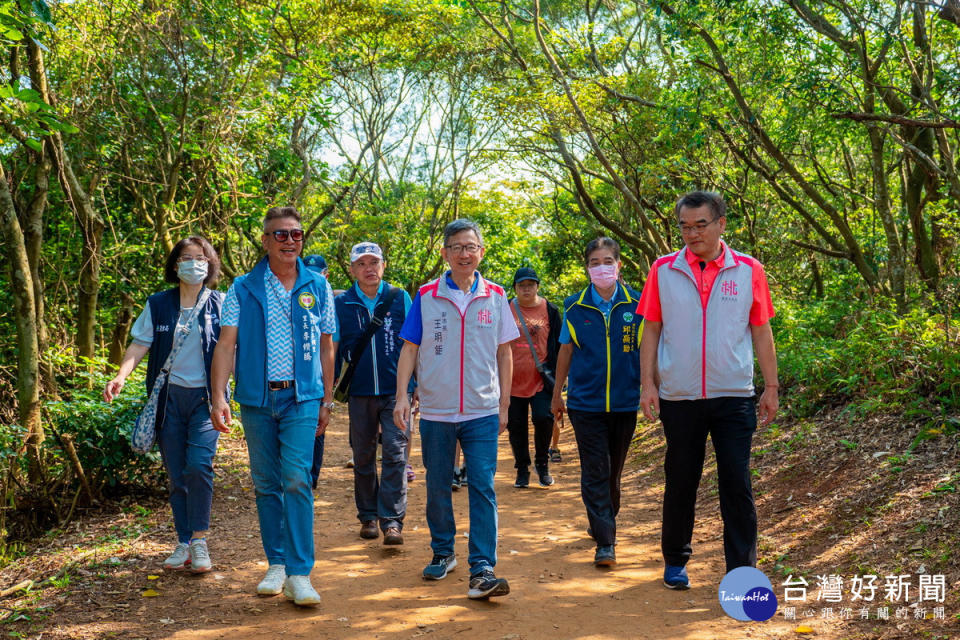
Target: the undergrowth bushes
(870, 359)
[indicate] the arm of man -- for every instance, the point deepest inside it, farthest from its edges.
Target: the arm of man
(405, 366)
(563, 368)
(131, 358)
(649, 389)
(767, 358)
(327, 353)
(505, 369)
(220, 370)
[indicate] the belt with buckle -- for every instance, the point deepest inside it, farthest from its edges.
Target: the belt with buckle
(277, 385)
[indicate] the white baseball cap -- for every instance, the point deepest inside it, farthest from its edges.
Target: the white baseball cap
(365, 249)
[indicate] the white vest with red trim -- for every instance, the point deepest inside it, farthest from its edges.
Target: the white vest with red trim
(457, 361)
(705, 352)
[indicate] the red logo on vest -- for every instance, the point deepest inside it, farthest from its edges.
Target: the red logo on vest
(728, 288)
(484, 316)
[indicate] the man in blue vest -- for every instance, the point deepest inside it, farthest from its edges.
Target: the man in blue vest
(373, 386)
(278, 324)
(706, 309)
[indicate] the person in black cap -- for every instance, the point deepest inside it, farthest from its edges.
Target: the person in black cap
(318, 264)
(534, 361)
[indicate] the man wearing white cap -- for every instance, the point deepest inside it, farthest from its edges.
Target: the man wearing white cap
(370, 314)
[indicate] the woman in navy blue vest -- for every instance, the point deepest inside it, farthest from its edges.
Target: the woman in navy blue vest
(185, 435)
(600, 351)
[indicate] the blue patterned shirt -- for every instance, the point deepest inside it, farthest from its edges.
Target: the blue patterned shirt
(279, 323)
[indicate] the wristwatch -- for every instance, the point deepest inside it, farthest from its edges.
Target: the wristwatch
(327, 405)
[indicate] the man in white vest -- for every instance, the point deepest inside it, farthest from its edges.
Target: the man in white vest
(706, 308)
(457, 335)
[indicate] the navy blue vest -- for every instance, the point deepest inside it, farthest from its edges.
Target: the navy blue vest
(165, 311)
(605, 364)
(376, 372)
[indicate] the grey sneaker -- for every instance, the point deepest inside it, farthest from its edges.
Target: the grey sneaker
(299, 589)
(179, 559)
(272, 583)
(199, 556)
(486, 585)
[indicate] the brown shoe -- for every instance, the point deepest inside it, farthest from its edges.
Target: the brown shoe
(369, 530)
(392, 536)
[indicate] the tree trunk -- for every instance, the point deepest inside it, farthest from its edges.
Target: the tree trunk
(118, 339)
(25, 316)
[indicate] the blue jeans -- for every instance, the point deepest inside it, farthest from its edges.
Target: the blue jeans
(188, 443)
(280, 439)
(317, 459)
(478, 441)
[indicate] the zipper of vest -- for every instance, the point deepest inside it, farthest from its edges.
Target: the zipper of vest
(373, 356)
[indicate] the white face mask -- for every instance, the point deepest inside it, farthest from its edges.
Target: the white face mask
(603, 276)
(192, 271)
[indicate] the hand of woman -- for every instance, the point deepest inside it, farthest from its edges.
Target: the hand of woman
(113, 389)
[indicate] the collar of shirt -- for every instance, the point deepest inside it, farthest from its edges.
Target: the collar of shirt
(367, 300)
(604, 305)
(453, 285)
(694, 261)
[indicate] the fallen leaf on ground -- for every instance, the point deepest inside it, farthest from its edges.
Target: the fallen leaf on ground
(150, 593)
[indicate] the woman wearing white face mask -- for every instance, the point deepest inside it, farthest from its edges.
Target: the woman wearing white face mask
(600, 352)
(185, 435)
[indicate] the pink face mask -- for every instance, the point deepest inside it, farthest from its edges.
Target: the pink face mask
(603, 276)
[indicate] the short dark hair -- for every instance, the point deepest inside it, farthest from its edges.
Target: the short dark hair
(696, 199)
(461, 224)
(213, 260)
(273, 213)
(599, 243)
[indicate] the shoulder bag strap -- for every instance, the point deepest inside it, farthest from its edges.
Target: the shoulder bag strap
(375, 323)
(181, 336)
(526, 334)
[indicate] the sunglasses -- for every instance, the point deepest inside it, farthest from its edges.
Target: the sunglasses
(281, 235)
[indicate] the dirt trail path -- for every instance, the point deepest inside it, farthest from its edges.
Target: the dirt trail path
(372, 591)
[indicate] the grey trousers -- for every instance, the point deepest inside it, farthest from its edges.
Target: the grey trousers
(383, 498)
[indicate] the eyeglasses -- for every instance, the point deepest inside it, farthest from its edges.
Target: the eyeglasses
(700, 227)
(200, 258)
(464, 248)
(281, 235)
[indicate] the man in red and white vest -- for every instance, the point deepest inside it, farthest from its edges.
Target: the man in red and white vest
(706, 309)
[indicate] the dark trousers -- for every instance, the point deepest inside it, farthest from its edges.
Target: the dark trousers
(539, 405)
(603, 440)
(383, 498)
(730, 422)
(317, 458)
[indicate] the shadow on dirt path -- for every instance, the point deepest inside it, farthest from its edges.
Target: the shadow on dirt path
(372, 591)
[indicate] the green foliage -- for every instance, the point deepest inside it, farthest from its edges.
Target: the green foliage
(838, 352)
(101, 431)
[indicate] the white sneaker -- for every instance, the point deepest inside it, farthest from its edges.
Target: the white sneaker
(272, 583)
(299, 589)
(199, 556)
(180, 558)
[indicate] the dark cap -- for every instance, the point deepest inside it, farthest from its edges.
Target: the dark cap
(316, 262)
(525, 273)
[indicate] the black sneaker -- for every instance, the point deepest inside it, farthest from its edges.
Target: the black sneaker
(455, 485)
(439, 567)
(555, 455)
(523, 478)
(545, 478)
(463, 475)
(605, 556)
(486, 585)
